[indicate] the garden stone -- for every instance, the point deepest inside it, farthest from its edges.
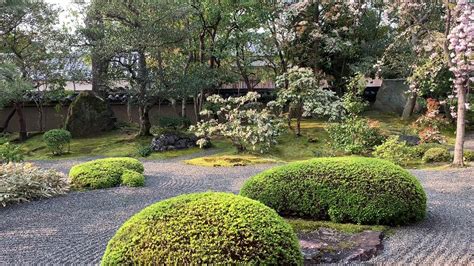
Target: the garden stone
(409, 139)
(173, 141)
(326, 245)
(392, 97)
(88, 115)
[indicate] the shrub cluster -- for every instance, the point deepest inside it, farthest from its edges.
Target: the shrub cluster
(57, 140)
(21, 182)
(354, 136)
(436, 155)
(469, 156)
(344, 189)
(395, 151)
(105, 173)
(204, 228)
(10, 153)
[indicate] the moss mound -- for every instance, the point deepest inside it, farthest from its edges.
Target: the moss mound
(204, 228)
(103, 173)
(346, 189)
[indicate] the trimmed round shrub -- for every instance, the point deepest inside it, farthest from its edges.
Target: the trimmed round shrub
(102, 173)
(204, 228)
(57, 140)
(394, 150)
(436, 155)
(133, 179)
(345, 189)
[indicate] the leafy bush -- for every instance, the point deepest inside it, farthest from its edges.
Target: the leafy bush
(174, 122)
(10, 153)
(395, 151)
(239, 120)
(21, 182)
(204, 228)
(420, 149)
(57, 140)
(469, 156)
(344, 189)
(133, 179)
(102, 173)
(436, 155)
(354, 136)
(144, 151)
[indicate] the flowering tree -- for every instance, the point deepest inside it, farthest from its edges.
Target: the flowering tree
(242, 121)
(461, 42)
(306, 97)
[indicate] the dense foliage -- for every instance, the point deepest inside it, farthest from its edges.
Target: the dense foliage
(242, 120)
(395, 151)
(103, 173)
(350, 189)
(354, 136)
(10, 153)
(436, 155)
(21, 182)
(57, 140)
(204, 228)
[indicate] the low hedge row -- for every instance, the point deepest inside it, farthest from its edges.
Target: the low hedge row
(105, 173)
(344, 189)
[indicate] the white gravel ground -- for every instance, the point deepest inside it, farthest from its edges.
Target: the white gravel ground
(74, 229)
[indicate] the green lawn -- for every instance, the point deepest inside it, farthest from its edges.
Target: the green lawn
(312, 143)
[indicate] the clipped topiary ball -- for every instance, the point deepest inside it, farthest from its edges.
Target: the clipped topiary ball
(344, 189)
(204, 228)
(102, 173)
(133, 179)
(436, 155)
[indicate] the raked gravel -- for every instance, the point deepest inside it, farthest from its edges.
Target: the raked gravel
(75, 229)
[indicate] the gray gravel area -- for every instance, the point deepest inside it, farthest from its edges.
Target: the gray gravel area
(74, 229)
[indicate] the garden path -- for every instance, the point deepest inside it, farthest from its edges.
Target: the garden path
(74, 229)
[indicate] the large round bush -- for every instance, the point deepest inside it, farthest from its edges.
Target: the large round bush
(103, 173)
(204, 228)
(347, 189)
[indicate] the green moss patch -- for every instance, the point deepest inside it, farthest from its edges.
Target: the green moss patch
(229, 160)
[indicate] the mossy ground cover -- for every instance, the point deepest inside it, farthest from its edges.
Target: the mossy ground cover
(229, 160)
(303, 225)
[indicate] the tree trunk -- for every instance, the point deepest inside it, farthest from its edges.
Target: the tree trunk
(129, 111)
(183, 107)
(145, 124)
(143, 112)
(298, 121)
(7, 121)
(21, 120)
(460, 129)
(409, 106)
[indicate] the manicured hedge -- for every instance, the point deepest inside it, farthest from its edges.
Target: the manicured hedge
(204, 228)
(103, 173)
(133, 179)
(344, 189)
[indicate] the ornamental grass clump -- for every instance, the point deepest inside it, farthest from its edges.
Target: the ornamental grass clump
(345, 189)
(204, 229)
(20, 182)
(103, 173)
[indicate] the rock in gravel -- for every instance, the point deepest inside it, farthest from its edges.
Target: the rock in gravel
(173, 141)
(331, 246)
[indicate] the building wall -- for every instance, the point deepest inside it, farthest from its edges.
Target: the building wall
(53, 118)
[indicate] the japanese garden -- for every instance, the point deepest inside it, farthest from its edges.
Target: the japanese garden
(236, 132)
